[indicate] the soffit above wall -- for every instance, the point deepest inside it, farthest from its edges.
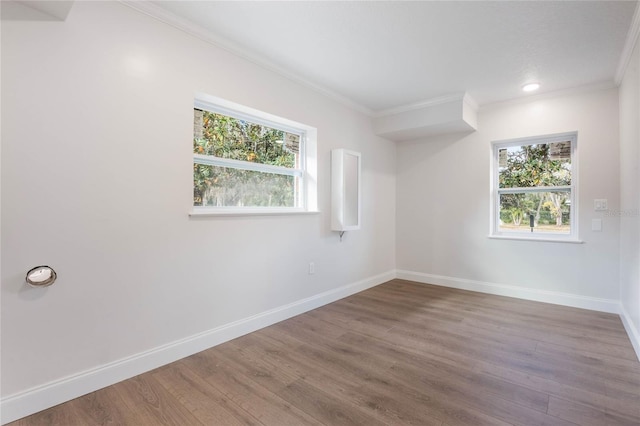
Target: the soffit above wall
(454, 114)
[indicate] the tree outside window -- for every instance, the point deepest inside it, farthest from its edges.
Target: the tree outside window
(239, 163)
(534, 181)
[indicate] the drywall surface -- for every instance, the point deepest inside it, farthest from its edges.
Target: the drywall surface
(628, 214)
(97, 115)
(443, 200)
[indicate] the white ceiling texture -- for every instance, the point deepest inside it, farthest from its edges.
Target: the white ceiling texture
(381, 56)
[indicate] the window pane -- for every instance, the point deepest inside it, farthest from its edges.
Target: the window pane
(227, 137)
(228, 187)
(535, 165)
(550, 210)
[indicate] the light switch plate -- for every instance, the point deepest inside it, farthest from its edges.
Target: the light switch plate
(600, 204)
(596, 225)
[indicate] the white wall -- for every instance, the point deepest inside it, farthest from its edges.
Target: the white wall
(443, 206)
(97, 182)
(630, 197)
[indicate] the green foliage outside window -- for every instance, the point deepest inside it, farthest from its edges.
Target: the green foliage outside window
(531, 166)
(231, 138)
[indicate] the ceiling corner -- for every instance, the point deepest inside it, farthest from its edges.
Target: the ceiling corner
(20, 10)
(467, 99)
(632, 39)
(191, 28)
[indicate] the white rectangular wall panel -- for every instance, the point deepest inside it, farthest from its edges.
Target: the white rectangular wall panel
(345, 190)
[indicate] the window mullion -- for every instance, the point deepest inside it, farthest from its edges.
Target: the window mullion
(564, 188)
(210, 160)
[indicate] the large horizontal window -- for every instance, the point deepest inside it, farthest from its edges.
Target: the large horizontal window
(247, 161)
(534, 188)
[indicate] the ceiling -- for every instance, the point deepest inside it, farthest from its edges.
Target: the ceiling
(385, 55)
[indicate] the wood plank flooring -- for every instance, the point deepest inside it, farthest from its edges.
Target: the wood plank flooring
(401, 353)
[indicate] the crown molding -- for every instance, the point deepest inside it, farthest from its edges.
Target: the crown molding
(588, 88)
(632, 39)
(203, 34)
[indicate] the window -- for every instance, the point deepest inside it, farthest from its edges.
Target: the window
(247, 161)
(534, 188)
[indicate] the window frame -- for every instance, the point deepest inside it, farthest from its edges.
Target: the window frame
(496, 191)
(306, 194)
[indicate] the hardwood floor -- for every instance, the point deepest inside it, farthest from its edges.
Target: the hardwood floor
(398, 354)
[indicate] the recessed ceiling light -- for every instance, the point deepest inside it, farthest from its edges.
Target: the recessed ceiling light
(531, 87)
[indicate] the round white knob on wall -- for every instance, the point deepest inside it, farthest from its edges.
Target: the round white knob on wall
(41, 276)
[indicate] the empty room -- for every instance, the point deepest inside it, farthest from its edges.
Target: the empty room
(320, 213)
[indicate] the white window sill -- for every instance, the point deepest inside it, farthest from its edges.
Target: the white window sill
(248, 212)
(543, 239)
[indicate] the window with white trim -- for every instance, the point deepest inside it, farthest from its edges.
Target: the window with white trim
(248, 161)
(534, 188)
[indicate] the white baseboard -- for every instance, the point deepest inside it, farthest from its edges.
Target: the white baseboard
(39, 398)
(565, 299)
(632, 331)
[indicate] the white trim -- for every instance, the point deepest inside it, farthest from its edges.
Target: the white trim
(308, 171)
(611, 306)
(629, 45)
(571, 91)
(519, 236)
(495, 190)
(632, 331)
(205, 35)
(19, 405)
(39, 398)
(222, 106)
(256, 211)
(210, 160)
(546, 296)
(531, 189)
(538, 139)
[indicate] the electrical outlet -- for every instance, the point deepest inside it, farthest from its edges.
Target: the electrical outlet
(312, 268)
